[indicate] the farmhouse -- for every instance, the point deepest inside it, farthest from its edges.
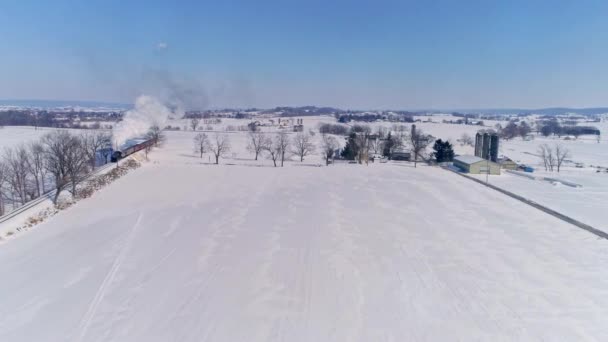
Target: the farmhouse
(476, 165)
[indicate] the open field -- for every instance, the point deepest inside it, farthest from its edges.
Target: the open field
(12, 136)
(184, 251)
(586, 203)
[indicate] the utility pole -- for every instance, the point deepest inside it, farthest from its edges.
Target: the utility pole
(116, 149)
(488, 160)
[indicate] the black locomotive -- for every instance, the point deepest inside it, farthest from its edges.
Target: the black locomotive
(131, 147)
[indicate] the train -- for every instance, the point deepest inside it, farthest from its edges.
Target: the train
(130, 147)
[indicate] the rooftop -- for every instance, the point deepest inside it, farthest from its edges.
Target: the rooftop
(468, 159)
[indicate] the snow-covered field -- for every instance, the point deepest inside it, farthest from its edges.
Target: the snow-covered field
(586, 203)
(183, 251)
(11, 136)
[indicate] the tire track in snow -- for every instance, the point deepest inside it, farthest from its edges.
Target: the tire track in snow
(222, 234)
(101, 292)
(341, 260)
(175, 224)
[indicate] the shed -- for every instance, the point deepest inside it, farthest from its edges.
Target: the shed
(507, 164)
(401, 154)
(476, 165)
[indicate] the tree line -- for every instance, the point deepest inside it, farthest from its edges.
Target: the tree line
(277, 148)
(361, 144)
(545, 128)
(59, 161)
(54, 119)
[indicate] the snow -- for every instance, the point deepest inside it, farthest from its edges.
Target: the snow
(584, 150)
(586, 203)
(467, 159)
(179, 250)
(11, 136)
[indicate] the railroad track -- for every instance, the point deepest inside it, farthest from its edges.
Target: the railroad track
(33, 203)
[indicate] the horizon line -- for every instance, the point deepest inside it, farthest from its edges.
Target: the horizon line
(84, 103)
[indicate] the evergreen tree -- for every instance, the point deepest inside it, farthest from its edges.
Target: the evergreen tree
(388, 145)
(350, 149)
(443, 151)
(449, 151)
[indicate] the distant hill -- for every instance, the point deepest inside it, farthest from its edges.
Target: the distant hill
(46, 104)
(304, 111)
(309, 110)
(542, 111)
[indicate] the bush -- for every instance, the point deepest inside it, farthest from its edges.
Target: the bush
(336, 129)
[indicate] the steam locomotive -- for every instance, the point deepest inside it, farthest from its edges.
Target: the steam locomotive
(130, 147)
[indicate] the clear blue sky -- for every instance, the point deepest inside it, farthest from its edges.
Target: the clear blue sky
(351, 54)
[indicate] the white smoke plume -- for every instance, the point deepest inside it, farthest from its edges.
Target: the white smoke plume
(148, 112)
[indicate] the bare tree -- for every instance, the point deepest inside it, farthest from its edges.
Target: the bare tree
(36, 167)
(93, 142)
(466, 139)
(283, 143)
(510, 131)
(201, 143)
(561, 153)
(277, 147)
(548, 157)
(542, 154)
(524, 129)
(77, 162)
(375, 145)
(551, 160)
(329, 145)
(362, 143)
(399, 131)
(219, 146)
(257, 143)
(302, 145)
(3, 173)
(194, 122)
(55, 146)
(392, 143)
(273, 149)
(381, 131)
(419, 142)
(17, 173)
(156, 134)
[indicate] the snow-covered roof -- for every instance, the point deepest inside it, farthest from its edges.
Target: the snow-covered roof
(467, 159)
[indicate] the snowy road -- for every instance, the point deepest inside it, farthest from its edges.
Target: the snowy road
(344, 253)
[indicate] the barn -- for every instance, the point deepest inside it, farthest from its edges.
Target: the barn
(476, 165)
